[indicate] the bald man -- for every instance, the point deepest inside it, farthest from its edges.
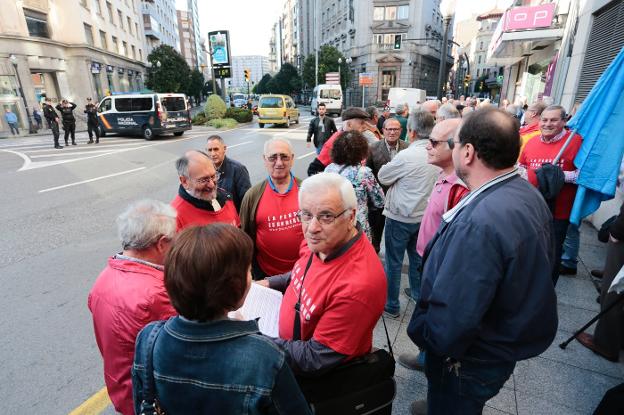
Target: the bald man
(432, 107)
(199, 200)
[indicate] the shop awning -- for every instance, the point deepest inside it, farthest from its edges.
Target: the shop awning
(513, 46)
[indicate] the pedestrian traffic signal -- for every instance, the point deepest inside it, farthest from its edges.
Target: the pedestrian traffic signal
(397, 41)
(247, 75)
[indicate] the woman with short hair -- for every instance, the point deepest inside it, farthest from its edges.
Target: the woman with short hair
(202, 361)
(350, 149)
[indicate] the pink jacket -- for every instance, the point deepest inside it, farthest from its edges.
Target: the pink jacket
(126, 296)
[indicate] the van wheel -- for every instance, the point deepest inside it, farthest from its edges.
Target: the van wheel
(148, 134)
(179, 133)
(102, 131)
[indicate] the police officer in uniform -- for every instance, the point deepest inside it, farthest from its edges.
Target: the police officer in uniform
(66, 109)
(53, 120)
(92, 121)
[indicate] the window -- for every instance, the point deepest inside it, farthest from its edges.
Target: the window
(271, 102)
(98, 7)
(124, 48)
(140, 55)
(173, 103)
(136, 29)
(378, 13)
(88, 34)
(110, 12)
(391, 13)
(103, 42)
(37, 23)
(403, 12)
(115, 45)
(120, 16)
(330, 94)
(478, 70)
(105, 105)
(129, 24)
(133, 52)
(479, 60)
(141, 104)
(123, 104)
(481, 46)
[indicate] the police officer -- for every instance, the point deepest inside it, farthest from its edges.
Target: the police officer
(66, 109)
(92, 121)
(53, 120)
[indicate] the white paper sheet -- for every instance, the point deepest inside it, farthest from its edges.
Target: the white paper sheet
(264, 303)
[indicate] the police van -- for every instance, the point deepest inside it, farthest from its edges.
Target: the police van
(148, 115)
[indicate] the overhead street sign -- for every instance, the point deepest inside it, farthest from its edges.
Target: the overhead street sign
(366, 79)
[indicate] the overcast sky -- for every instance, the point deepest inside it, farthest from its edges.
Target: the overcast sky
(250, 21)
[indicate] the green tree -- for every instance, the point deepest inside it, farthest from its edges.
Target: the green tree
(195, 85)
(261, 87)
(286, 81)
(328, 62)
(173, 74)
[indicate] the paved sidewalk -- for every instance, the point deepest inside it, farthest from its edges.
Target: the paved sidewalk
(566, 382)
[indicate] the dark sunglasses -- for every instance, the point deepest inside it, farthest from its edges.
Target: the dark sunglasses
(448, 141)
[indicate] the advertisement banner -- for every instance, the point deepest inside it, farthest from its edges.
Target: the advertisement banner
(220, 47)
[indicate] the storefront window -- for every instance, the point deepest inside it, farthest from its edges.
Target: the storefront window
(97, 84)
(8, 86)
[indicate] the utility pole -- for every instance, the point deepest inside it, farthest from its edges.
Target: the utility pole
(316, 41)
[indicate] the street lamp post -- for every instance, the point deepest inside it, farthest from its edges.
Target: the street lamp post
(447, 7)
(31, 127)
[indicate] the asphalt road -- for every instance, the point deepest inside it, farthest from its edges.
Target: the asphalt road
(58, 212)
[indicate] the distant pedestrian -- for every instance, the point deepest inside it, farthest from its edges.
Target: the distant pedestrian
(371, 133)
(321, 127)
(53, 121)
(66, 109)
(11, 119)
(402, 112)
(37, 117)
(92, 121)
(382, 119)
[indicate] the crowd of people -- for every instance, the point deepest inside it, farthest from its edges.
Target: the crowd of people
(458, 187)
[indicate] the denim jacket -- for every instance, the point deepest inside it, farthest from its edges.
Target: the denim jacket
(219, 367)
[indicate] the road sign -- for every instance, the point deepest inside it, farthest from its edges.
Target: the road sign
(332, 78)
(222, 72)
(366, 78)
(220, 47)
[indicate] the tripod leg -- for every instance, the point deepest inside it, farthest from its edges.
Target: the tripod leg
(592, 321)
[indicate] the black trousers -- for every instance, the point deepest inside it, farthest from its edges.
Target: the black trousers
(55, 131)
(608, 334)
(70, 129)
(376, 220)
(91, 129)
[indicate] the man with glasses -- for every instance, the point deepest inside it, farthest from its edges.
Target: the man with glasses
(487, 300)
(410, 180)
(199, 200)
(269, 213)
(381, 153)
(338, 282)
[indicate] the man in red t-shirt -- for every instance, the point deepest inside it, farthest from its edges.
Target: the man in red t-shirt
(339, 281)
(544, 149)
(199, 201)
(269, 213)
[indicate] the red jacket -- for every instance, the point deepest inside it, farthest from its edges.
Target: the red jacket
(125, 297)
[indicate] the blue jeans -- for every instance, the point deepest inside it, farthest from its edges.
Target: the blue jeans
(466, 390)
(400, 237)
(569, 258)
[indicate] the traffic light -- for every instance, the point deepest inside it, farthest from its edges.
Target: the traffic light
(247, 75)
(397, 41)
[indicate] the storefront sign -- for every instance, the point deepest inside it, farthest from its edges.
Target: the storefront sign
(110, 69)
(95, 67)
(550, 75)
(521, 18)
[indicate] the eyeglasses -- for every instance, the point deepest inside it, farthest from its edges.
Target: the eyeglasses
(205, 180)
(322, 218)
(448, 141)
(273, 157)
(392, 130)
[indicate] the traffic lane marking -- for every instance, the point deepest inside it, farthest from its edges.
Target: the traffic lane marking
(91, 180)
(306, 155)
(94, 404)
(74, 153)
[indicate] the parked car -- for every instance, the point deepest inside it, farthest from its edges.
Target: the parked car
(239, 100)
(148, 115)
(277, 109)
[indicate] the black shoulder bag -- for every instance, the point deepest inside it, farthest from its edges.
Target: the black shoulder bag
(149, 403)
(361, 386)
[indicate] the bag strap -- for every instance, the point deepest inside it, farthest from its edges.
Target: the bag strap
(297, 324)
(149, 387)
(387, 336)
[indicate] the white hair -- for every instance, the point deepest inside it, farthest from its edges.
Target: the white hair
(268, 143)
(320, 183)
(143, 223)
(447, 112)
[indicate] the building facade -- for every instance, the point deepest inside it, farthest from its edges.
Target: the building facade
(190, 33)
(275, 44)
(160, 24)
(69, 49)
(257, 66)
(485, 80)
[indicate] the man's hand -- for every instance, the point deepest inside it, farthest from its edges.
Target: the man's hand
(308, 144)
(264, 283)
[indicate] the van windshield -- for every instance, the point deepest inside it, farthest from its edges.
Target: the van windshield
(173, 103)
(330, 93)
(271, 102)
(238, 96)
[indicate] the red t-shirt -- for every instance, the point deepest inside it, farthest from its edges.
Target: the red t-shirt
(536, 153)
(278, 230)
(189, 215)
(341, 301)
(325, 154)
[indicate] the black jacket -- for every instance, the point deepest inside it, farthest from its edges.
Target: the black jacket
(235, 179)
(67, 113)
(319, 136)
(91, 111)
(49, 113)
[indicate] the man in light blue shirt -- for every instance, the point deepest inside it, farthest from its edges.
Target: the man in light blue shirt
(11, 119)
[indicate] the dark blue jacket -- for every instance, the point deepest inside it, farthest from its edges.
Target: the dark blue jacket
(235, 179)
(487, 291)
(220, 367)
